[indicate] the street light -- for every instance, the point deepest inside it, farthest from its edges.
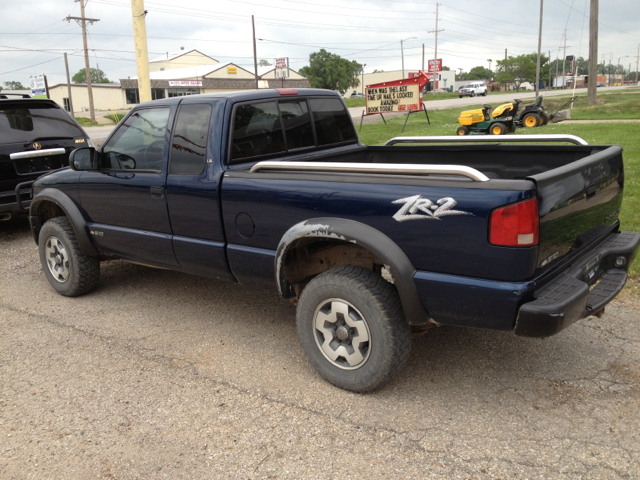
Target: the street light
(402, 51)
(363, 65)
(489, 60)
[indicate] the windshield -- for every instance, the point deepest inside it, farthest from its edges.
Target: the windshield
(468, 86)
(29, 121)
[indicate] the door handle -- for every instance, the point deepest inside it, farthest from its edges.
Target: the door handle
(157, 192)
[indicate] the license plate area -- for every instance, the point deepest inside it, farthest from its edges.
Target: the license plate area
(29, 166)
(592, 271)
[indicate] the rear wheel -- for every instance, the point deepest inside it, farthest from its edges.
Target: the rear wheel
(69, 271)
(352, 328)
(531, 120)
(462, 131)
(544, 119)
(497, 129)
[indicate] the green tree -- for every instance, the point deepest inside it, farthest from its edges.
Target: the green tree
(328, 70)
(97, 76)
(11, 85)
(446, 69)
(479, 73)
(516, 70)
(378, 71)
(262, 63)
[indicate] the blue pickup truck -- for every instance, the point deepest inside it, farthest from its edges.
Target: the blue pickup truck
(272, 189)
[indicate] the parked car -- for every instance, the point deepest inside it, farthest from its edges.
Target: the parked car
(600, 84)
(472, 89)
(357, 95)
(36, 137)
(272, 189)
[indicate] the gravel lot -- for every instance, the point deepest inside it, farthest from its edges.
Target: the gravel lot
(164, 375)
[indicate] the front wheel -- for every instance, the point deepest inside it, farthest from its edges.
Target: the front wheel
(473, 94)
(462, 131)
(352, 328)
(69, 271)
(498, 129)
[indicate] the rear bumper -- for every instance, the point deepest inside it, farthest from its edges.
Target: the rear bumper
(568, 297)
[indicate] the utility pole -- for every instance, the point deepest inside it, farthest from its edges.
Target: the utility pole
(564, 61)
(423, 57)
(505, 53)
(610, 60)
(142, 53)
(435, 56)
(402, 55)
(637, 60)
(550, 86)
(82, 21)
(66, 66)
(539, 47)
(593, 54)
(255, 57)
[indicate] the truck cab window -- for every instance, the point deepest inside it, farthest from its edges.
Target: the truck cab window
(332, 120)
(256, 131)
(138, 144)
(189, 143)
(297, 124)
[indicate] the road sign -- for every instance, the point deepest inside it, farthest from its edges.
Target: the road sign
(438, 64)
(38, 88)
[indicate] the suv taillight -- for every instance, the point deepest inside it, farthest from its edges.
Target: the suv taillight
(515, 225)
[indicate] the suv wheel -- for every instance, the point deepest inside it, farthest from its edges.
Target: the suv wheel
(352, 328)
(473, 94)
(69, 271)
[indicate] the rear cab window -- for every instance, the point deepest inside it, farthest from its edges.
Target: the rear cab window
(268, 128)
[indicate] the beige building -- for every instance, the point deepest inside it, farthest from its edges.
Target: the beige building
(175, 75)
(174, 61)
(106, 96)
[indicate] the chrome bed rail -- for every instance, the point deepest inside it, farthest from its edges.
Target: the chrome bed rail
(490, 139)
(387, 168)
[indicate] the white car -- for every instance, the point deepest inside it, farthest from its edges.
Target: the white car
(473, 89)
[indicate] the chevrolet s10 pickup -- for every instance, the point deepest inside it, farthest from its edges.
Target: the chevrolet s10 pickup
(272, 189)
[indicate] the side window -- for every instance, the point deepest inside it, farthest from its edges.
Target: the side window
(256, 131)
(332, 120)
(138, 144)
(297, 124)
(189, 143)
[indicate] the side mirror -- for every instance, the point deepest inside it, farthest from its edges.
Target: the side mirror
(82, 159)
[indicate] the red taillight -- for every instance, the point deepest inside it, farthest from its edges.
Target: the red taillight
(515, 225)
(287, 91)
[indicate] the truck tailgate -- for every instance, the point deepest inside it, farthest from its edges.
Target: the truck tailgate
(579, 204)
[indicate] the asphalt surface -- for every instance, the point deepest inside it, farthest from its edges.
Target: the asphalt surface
(159, 374)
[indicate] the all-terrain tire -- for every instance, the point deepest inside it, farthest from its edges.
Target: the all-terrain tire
(69, 271)
(369, 299)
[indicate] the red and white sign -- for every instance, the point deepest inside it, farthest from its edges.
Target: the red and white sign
(185, 83)
(396, 96)
(438, 64)
(281, 63)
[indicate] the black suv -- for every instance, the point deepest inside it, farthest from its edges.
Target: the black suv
(36, 137)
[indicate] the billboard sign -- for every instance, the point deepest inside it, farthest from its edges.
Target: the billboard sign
(38, 88)
(397, 96)
(437, 63)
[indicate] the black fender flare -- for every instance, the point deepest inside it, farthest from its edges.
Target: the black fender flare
(385, 249)
(72, 212)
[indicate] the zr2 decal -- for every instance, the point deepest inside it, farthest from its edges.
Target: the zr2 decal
(433, 211)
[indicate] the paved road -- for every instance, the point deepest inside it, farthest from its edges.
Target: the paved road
(164, 375)
(496, 99)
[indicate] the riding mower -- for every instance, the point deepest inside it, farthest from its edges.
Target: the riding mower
(503, 119)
